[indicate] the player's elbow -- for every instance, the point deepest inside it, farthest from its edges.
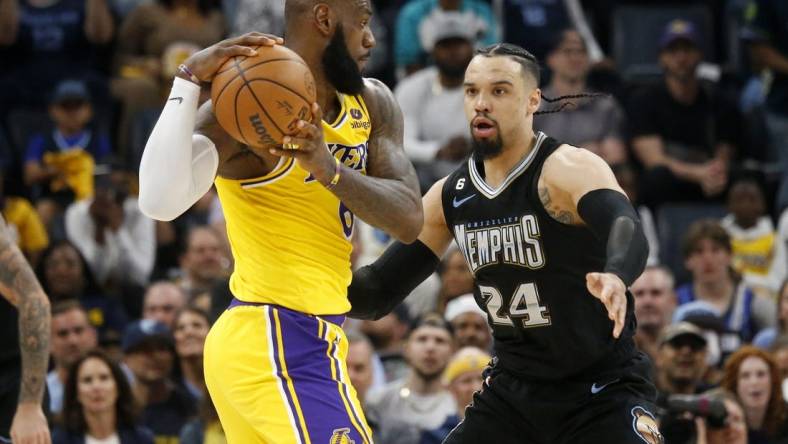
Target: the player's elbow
(153, 205)
(409, 228)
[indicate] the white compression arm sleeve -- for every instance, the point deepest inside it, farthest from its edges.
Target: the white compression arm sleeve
(177, 167)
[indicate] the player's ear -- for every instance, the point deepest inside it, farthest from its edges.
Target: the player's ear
(324, 19)
(534, 100)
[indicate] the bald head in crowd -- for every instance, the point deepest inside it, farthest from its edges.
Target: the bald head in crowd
(162, 301)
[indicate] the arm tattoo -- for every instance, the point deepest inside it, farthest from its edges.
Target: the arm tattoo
(20, 286)
(563, 216)
(389, 196)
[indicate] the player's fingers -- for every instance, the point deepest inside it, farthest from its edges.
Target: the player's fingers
(236, 50)
(256, 38)
(279, 151)
(305, 130)
(317, 114)
(300, 144)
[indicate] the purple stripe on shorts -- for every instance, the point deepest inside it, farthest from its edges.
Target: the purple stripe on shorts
(310, 369)
(334, 319)
(278, 368)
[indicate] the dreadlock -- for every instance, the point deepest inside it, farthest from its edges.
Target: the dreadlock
(531, 66)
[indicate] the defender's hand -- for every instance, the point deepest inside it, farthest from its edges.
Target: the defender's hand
(309, 148)
(30, 425)
(205, 63)
(608, 288)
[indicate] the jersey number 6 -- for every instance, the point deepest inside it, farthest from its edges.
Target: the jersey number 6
(523, 307)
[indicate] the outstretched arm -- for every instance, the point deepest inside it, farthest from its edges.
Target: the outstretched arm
(20, 287)
(578, 187)
(379, 287)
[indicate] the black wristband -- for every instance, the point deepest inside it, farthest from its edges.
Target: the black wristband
(379, 287)
(610, 216)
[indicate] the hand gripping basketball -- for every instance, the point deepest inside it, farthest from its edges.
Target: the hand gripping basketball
(309, 148)
(205, 63)
(610, 289)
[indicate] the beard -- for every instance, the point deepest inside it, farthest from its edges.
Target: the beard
(486, 148)
(339, 66)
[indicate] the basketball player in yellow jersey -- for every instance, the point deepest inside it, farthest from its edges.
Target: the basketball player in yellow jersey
(275, 359)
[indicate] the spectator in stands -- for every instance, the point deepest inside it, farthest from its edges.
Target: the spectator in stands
(463, 376)
(456, 278)
(757, 254)
(360, 364)
(766, 337)
(752, 375)
(48, 41)
(60, 163)
(469, 323)
(99, 406)
(627, 177)
(153, 40)
(150, 355)
(436, 133)
(403, 410)
(388, 335)
(418, 18)
(202, 262)
(534, 24)
(684, 133)
(595, 125)
(191, 328)
(681, 365)
(72, 337)
(118, 241)
(64, 274)
(707, 254)
(767, 33)
(162, 301)
(735, 429)
(779, 351)
(23, 224)
(655, 301)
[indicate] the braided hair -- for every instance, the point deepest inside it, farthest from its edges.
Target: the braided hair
(531, 66)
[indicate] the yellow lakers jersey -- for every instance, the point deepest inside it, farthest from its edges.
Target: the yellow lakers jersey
(290, 237)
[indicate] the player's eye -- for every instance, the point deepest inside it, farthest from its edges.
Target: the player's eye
(499, 91)
(470, 91)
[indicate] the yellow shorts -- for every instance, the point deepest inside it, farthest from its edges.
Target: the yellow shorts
(278, 376)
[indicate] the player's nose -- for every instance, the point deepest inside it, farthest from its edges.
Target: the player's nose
(369, 41)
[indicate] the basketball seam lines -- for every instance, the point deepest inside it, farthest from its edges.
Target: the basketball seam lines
(254, 96)
(243, 70)
(235, 108)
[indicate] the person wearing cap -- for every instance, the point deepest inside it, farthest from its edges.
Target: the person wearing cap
(404, 410)
(683, 132)
(681, 359)
(596, 125)
(431, 98)
(469, 323)
(463, 375)
(410, 54)
(59, 164)
(149, 350)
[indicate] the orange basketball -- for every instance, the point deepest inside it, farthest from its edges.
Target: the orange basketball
(259, 99)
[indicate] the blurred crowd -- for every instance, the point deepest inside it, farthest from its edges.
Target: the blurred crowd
(690, 111)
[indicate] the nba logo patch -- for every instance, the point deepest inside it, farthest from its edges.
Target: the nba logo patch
(341, 436)
(355, 113)
(645, 426)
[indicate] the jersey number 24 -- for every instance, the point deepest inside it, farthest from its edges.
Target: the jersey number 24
(524, 306)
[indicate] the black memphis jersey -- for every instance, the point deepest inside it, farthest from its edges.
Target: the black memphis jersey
(530, 272)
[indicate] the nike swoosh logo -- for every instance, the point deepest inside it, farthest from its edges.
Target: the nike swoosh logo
(595, 389)
(457, 203)
(179, 99)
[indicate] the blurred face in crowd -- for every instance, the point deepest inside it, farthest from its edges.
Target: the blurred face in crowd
(746, 203)
(384, 332)
(456, 278)
(63, 272)
(709, 262)
(190, 331)
(464, 386)
(203, 257)
(680, 60)
(428, 351)
(654, 299)
(735, 430)
(72, 336)
(97, 390)
(569, 61)
(150, 362)
(71, 115)
(162, 302)
(682, 361)
(470, 329)
(452, 56)
(754, 383)
(359, 367)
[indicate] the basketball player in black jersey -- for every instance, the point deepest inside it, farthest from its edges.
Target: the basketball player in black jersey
(553, 244)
